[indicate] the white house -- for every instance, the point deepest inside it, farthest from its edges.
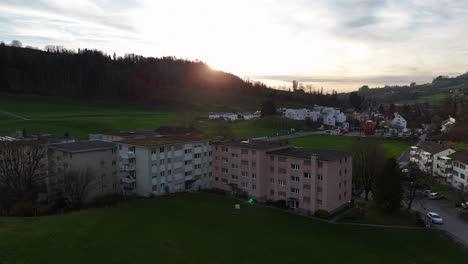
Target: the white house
(214, 115)
(428, 156)
(398, 121)
(329, 119)
(459, 168)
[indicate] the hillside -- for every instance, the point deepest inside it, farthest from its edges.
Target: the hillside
(435, 92)
(167, 81)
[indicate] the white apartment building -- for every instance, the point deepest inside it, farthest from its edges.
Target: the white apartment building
(459, 168)
(165, 164)
(428, 156)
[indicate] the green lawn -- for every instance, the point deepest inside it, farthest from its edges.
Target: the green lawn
(202, 228)
(80, 118)
(393, 147)
(375, 215)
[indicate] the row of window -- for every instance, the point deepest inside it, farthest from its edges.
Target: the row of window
(187, 173)
(243, 151)
(295, 179)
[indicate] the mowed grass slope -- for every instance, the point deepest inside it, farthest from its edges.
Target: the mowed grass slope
(392, 147)
(202, 228)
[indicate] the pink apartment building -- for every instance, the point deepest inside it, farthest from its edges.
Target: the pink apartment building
(307, 179)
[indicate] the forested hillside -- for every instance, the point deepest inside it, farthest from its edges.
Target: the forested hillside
(435, 92)
(93, 74)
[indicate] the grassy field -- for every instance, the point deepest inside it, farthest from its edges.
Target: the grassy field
(393, 147)
(79, 118)
(202, 228)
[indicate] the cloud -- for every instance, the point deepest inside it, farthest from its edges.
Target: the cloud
(339, 41)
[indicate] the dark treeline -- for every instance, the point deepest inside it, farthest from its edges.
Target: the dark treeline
(92, 74)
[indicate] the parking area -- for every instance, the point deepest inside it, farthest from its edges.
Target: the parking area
(452, 222)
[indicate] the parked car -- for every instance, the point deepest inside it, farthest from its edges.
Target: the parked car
(435, 196)
(464, 205)
(435, 218)
(427, 192)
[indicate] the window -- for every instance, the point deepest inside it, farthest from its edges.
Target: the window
(210, 153)
(339, 185)
(153, 152)
(295, 190)
(245, 163)
(197, 166)
(345, 183)
(225, 160)
(462, 166)
(272, 192)
(320, 177)
(319, 164)
(282, 182)
(161, 149)
(161, 161)
(272, 181)
(319, 202)
(319, 189)
(188, 173)
(339, 196)
(282, 194)
(197, 156)
(295, 166)
(307, 175)
(282, 170)
(306, 187)
(344, 194)
(244, 185)
(224, 170)
(254, 164)
(210, 174)
(188, 151)
(225, 181)
(345, 171)
(339, 173)
(244, 151)
(462, 175)
(120, 147)
(254, 176)
(161, 173)
(225, 149)
(234, 155)
(235, 166)
(295, 178)
(169, 172)
(254, 187)
(245, 174)
(188, 162)
(340, 161)
(235, 177)
(345, 160)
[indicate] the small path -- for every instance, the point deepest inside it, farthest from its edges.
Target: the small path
(20, 117)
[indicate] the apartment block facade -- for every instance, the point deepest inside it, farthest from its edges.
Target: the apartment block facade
(165, 164)
(97, 157)
(428, 157)
(306, 179)
(459, 169)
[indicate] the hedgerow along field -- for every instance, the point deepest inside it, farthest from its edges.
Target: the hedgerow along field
(205, 228)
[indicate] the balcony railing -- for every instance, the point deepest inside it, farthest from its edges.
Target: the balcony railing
(128, 155)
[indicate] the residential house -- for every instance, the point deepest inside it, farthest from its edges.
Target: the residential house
(398, 122)
(447, 124)
(428, 156)
(459, 169)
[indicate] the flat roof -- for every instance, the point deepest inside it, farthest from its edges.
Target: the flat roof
(82, 146)
(306, 153)
(161, 140)
(252, 144)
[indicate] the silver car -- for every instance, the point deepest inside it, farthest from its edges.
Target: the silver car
(435, 218)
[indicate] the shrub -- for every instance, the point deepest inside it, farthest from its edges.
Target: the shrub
(322, 214)
(281, 204)
(24, 208)
(242, 195)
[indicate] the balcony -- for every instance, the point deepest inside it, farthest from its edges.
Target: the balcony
(445, 166)
(412, 152)
(128, 155)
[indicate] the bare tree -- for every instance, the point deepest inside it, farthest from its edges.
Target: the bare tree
(22, 172)
(413, 181)
(368, 161)
(77, 186)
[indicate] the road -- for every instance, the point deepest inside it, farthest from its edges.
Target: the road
(452, 223)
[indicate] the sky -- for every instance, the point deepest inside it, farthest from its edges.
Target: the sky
(334, 44)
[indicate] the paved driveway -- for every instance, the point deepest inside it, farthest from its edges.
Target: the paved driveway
(452, 223)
